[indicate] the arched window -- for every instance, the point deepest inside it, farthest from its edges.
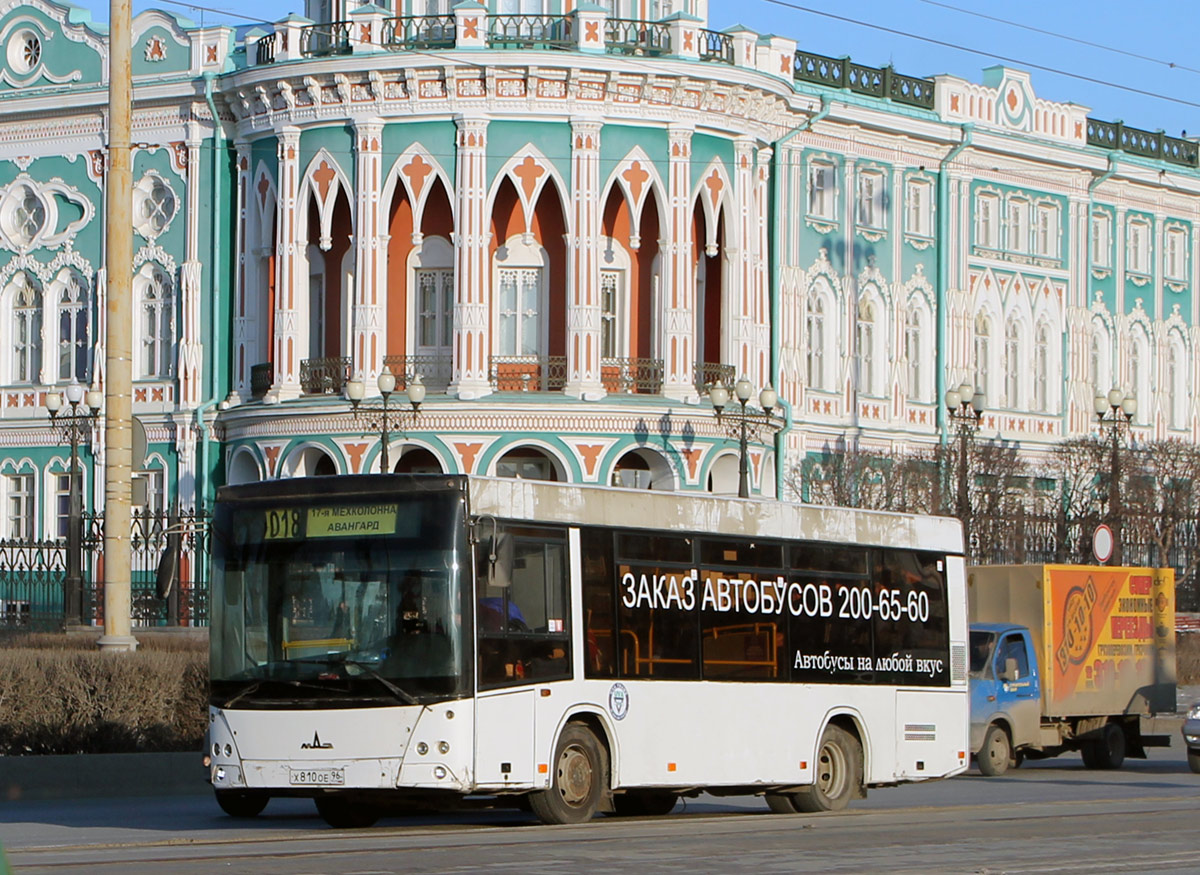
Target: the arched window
(1041, 369)
(1177, 384)
(815, 341)
(74, 313)
(1139, 373)
(1102, 374)
(527, 463)
(1012, 364)
(983, 349)
(26, 309)
(912, 352)
(157, 322)
(866, 348)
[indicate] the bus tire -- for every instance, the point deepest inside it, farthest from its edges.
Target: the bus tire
(1194, 759)
(995, 756)
(1107, 751)
(342, 813)
(645, 803)
(782, 803)
(578, 779)
(242, 803)
(838, 773)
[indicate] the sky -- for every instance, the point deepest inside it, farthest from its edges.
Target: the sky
(1132, 62)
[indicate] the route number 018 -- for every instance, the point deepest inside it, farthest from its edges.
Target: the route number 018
(282, 523)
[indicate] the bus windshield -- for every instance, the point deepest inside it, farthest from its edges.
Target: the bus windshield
(338, 601)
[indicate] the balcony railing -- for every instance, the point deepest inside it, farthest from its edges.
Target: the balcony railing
(875, 81)
(530, 31)
(1156, 144)
(710, 373)
(623, 36)
(324, 376)
(632, 375)
(420, 32)
(261, 378)
(716, 46)
(264, 49)
(436, 370)
(332, 38)
(526, 373)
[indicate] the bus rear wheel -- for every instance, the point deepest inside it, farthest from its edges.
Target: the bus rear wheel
(242, 803)
(838, 774)
(342, 813)
(648, 803)
(578, 779)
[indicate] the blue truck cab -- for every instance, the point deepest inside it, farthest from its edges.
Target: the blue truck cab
(1005, 695)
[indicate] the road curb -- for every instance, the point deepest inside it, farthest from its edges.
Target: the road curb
(101, 775)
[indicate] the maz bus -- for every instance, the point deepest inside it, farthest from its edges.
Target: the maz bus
(390, 639)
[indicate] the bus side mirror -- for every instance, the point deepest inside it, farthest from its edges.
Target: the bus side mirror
(1010, 670)
(500, 561)
(167, 573)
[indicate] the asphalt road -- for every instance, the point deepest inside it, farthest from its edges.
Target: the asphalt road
(1049, 816)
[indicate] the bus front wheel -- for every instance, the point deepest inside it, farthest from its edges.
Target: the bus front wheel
(578, 778)
(242, 803)
(837, 775)
(342, 813)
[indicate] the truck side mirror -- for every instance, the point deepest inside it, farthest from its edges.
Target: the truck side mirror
(1010, 672)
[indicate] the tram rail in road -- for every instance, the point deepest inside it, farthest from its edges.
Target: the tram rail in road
(1054, 816)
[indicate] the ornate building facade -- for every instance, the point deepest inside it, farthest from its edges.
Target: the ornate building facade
(568, 224)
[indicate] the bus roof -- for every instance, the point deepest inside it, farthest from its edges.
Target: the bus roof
(541, 501)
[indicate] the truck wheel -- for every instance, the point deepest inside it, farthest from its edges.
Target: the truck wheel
(1108, 751)
(242, 803)
(1194, 759)
(838, 774)
(996, 755)
(578, 779)
(342, 813)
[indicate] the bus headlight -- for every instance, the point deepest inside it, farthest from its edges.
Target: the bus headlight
(439, 772)
(443, 747)
(422, 748)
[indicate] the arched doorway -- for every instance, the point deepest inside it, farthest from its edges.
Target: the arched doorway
(643, 469)
(417, 460)
(723, 475)
(529, 463)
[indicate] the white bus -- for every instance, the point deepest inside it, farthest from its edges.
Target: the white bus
(387, 639)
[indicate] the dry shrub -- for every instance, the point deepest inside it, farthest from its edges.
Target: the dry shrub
(77, 701)
(191, 640)
(1187, 658)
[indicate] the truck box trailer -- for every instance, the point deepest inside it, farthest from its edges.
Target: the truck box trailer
(1069, 657)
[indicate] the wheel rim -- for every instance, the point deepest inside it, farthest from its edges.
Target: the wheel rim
(574, 775)
(998, 751)
(831, 770)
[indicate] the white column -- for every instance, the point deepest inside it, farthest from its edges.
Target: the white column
(679, 281)
(370, 270)
(741, 273)
(244, 349)
(290, 281)
(472, 286)
(583, 253)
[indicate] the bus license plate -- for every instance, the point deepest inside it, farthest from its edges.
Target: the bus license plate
(319, 777)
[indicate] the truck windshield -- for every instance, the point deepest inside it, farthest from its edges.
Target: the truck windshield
(981, 651)
(338, 601)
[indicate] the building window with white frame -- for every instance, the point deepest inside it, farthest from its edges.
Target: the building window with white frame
(870, 199)
(610, 323)
(1177, 383)
(435, 310)
(912, 353)
(866, 348)
(1139, 371)
(1175, 254)
(1018, 225)
(62, 504)
(154, 496)
(822, 190)
(1041, 369)
(815, 341)
(157, 323)
(20, 506)
(1046, 233)
(23, 213)
(1102, 239)
(74, 311)
(519, 307)
(1012, 364)
(983, 349)
(918, 208)
(1139, 247)
(26, 313)
(987, 220)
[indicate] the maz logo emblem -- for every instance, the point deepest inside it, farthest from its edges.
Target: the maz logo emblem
(316, 744)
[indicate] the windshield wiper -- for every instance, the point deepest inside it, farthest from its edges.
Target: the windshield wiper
(342, 659)
(246, 691)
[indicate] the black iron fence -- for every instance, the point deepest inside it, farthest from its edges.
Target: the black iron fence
(33, 576)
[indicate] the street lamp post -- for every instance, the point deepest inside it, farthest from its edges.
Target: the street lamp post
(1114, 412)
(965, 406)
(747, 421)
(75, 428)
(355, 390)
